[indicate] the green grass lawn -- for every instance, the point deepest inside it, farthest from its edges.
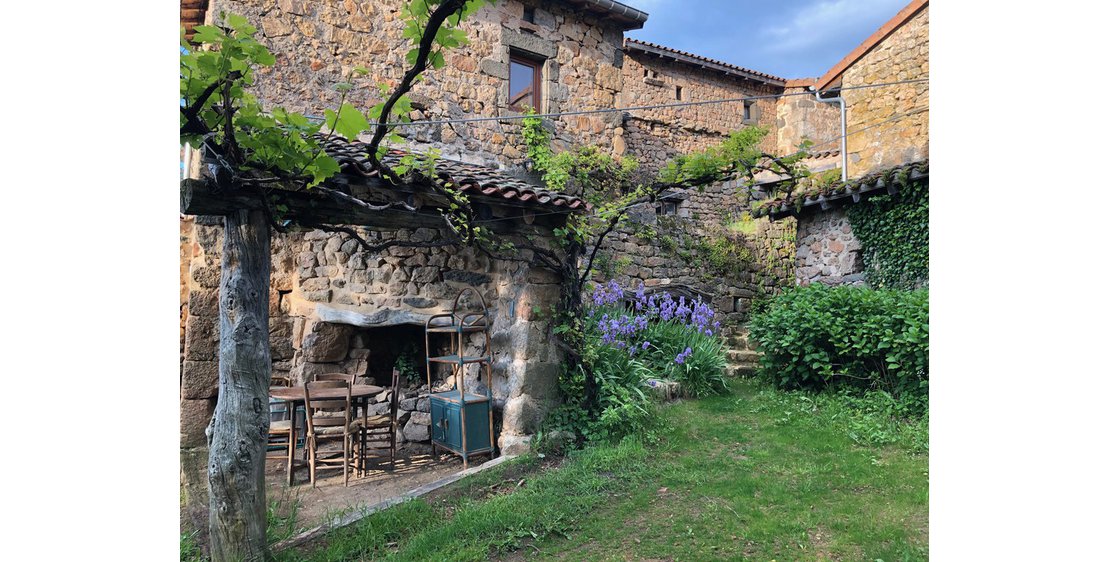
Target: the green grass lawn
(755, 475)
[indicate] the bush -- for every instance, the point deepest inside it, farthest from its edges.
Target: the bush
(653, 337)
(819, 336)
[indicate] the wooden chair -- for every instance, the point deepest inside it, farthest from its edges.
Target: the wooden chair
(348, 378)
(382, 429)
(283, 432)
(329, 420)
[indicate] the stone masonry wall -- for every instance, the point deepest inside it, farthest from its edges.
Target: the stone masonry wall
(667, 252)
(656, 135)
(318, 43)
(828, 252)
(325, 290)
(903, 55)
(801, 117)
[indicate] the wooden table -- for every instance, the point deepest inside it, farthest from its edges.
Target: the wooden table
(293, 395)
(359, 392)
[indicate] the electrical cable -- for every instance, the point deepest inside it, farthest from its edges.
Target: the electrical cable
(623, 109)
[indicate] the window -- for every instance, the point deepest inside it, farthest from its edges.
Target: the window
(524, 83)
(529, 14)
(751, 112)
(678, 93)
(665, 208)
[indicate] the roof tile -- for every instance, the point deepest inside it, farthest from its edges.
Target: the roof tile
(470, 178)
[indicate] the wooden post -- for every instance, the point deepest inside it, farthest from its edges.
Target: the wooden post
(237, 432)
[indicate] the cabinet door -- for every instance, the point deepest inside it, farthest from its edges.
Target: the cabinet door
(438, 412)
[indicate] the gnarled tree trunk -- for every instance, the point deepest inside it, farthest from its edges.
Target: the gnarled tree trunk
(237, 433)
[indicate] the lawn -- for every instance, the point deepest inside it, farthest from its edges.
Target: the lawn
(756, 474)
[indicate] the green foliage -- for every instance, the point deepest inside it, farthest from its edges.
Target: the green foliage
(279, 140)
(701, 374)
(819, 336)
(190, 550)
(725, 254)
(625, 408)
(745, 225)
(410, 363)
(893, 231)
(488, 515)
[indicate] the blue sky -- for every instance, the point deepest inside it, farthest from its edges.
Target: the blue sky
(787, 38)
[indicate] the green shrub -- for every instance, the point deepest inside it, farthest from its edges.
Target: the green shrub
(654, 337)
(819, 336)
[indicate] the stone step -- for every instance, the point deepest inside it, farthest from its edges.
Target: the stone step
(740, 342)
(742, 356)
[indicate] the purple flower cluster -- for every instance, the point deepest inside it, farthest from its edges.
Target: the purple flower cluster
(681, 358)
(621, 330)
(609, 293)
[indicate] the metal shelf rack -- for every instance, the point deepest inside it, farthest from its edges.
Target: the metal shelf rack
(449, 410)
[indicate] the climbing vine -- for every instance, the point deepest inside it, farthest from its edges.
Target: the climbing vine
(893, 231)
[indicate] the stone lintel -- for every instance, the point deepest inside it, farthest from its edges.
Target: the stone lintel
(378, 318)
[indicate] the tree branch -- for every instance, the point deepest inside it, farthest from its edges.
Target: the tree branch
(193, 125)
(374, 248)
(426, 40)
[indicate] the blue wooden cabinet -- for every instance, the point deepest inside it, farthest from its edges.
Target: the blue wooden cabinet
(447, 425)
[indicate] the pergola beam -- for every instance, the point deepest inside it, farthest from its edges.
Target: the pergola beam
(200, 197)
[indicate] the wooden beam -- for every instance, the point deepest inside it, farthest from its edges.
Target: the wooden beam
(199, 197)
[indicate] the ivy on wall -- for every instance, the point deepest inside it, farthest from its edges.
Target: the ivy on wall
(893, 231)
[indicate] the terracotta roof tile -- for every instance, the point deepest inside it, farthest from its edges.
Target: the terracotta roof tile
(691, 58)
(471, 179)
(882, 181)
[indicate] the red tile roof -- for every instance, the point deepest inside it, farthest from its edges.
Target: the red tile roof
(887, 28)
(638, 46)
(471, 179)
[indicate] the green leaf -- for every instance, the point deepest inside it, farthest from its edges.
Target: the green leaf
(207, 34)
(322, 168)
(348, 123)
(237, 22)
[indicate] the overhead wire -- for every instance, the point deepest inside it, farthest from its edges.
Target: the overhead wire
(626, 109)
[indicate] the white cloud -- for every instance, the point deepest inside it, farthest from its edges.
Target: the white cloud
(822, 20)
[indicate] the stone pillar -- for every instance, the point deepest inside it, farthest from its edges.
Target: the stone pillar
(200, 240)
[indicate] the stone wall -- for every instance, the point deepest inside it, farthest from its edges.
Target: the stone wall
(801, 117)
(656, 135)
(672, 252)
(903, 55)
(317, 43)
(326, 292)
(894, 129)
(828, 252)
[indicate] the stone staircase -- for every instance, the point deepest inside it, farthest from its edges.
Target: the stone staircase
(743, 359)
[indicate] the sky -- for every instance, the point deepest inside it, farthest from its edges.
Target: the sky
(786, 38)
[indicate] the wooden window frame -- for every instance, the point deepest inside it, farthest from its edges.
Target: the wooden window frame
(537, 80)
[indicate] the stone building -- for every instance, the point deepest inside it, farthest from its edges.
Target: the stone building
(888, 135)
(335, 307)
